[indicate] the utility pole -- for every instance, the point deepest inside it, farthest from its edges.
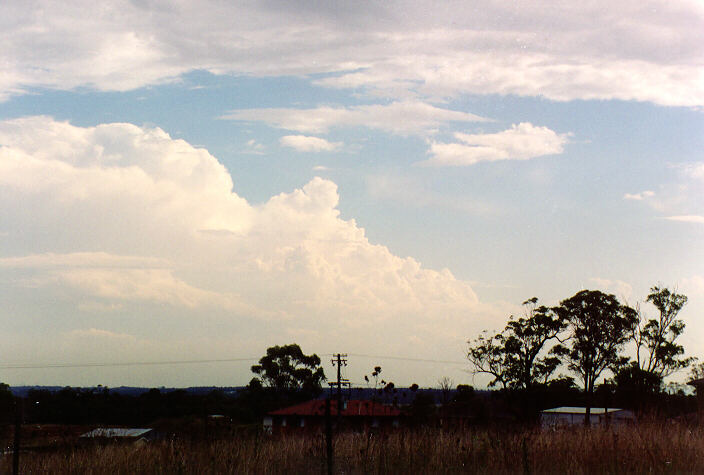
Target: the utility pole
(19, 416)
(339, 360)
(328, 437)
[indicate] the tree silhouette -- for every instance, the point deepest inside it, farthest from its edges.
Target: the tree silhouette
(287, 369)
(513, 356)
(657, 352)
(445, 384)
(599, 327)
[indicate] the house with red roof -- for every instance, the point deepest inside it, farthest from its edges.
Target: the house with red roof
(353, 415)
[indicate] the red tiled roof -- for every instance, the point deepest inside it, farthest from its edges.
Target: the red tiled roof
(316, 407)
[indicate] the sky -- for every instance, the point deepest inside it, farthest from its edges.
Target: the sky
(195, 181)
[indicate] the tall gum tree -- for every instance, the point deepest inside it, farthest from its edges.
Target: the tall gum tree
(657, 352)
(287, 369)
(513, 357)
(599, 326)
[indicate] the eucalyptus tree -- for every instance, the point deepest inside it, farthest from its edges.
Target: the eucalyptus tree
(657, 352)
(287, 369)
(599, 326)
(513, 356)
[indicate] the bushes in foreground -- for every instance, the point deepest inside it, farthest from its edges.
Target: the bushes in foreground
(641, 448)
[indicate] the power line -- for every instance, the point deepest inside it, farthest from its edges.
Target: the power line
(401, 358)
(129, 363)
(203, 361)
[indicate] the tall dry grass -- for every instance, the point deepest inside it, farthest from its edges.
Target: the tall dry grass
(658, 448)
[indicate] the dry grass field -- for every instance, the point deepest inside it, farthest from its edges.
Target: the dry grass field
(658, 448)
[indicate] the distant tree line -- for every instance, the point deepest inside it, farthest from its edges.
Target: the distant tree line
(586, 334)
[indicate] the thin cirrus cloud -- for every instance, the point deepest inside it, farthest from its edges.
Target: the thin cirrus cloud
(81, 259)
(408, 117)
(416, 194)
(521, 142)
(305, 143)
(681, 200)
(575, 50)
(99, 333)
(691, 218)
(639, 196)
(621, 289)
(253, 147)
(693, 170)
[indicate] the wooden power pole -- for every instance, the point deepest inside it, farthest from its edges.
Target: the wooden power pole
(339, 360)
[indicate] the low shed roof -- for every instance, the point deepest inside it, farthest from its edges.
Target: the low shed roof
(581, 410)
(113, 432)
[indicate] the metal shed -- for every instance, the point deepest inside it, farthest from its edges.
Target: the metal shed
(567, 416)
(119, 434)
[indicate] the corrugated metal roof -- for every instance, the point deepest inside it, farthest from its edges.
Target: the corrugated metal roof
(351, 408)
(113, 432)
(581, 410)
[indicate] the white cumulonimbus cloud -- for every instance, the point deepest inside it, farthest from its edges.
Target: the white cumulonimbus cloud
(521, 142)
(305, 143)
(124, 219)
(565, 51)
(401, 118)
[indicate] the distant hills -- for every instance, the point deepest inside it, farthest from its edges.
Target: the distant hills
(22, 391)
(401, 395)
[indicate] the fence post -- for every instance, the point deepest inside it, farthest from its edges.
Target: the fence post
(328, 435)
(18, 430)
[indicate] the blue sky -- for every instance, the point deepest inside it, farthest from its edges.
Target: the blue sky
(196, 180)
